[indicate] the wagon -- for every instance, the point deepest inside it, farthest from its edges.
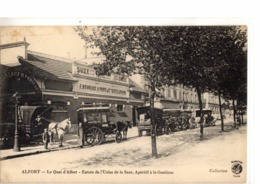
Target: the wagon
(28, 128)
(176, 119)
(33, 128)
(208, 119)
(144, 120)
(97, 126)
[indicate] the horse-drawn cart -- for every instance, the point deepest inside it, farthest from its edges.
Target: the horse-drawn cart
(97, 126)
(208, 118)
(144, 120)
(176, 119)
(28, 128)
(29, 114)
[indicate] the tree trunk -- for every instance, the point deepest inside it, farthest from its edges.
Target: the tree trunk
(220, 111)
(153, 131)
(201, 116)
(241, 114)
(242, 118)
(234, 113)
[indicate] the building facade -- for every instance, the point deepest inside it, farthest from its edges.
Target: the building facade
(66, 85)
(179, 96)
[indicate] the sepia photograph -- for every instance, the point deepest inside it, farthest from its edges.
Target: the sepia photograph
(124, 104)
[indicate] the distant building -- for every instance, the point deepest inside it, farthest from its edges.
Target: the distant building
(180, 97)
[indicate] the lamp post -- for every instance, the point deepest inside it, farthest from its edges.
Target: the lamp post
(16, 97)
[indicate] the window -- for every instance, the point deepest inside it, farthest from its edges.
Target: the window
(136, 95)
(104, 118)
(169, 93)
(120, 108)
(175, 94)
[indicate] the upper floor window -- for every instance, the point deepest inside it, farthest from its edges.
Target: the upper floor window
(120, 108)
(169, 93)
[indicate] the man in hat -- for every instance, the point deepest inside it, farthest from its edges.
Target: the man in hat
(45, 138)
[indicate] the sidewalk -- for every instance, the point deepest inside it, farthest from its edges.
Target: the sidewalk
(70, 141)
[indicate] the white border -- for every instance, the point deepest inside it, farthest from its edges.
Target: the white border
(121, 21)
(253, 71)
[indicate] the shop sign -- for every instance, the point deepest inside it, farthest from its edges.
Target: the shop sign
(102, 90)
(23, 75)
(85, 70)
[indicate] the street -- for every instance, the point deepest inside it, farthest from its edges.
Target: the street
(181, 153)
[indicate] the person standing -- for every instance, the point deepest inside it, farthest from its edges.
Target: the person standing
(45, 138)
(81, 135)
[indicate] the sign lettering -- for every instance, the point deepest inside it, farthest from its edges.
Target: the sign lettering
(85, 87)
(25, 76)
(85, 70)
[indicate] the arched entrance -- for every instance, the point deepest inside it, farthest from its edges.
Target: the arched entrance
(17, 81)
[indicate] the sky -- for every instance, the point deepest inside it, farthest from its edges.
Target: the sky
(58, 41)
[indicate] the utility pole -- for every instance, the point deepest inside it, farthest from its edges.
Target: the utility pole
(16, 97)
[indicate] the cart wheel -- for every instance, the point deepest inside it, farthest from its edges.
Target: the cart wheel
(94, 136)
(118, 137)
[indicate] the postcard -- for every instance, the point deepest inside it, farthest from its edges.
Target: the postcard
(124, 104)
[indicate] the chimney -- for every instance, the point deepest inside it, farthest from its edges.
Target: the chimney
(25, 48)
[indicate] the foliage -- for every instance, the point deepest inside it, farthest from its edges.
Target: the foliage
(211, 58)
(133, 50)
(207, 58)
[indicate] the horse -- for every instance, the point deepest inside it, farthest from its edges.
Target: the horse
(122, 126)
(57, 128)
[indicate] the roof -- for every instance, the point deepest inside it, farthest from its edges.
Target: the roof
(136, 87)
(43, 55)
(48, 66)
(15, 44)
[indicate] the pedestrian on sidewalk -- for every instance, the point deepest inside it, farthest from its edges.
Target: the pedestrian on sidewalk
(81, 135)
(45, 138)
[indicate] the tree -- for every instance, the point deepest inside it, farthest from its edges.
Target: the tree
(228, 45)
(195, 56)
(234, 84)
(194, 67)
(131, 50)
(206, 57)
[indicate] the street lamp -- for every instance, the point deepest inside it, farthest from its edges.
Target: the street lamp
(16, 97)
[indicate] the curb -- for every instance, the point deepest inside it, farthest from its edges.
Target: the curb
(36, 152)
